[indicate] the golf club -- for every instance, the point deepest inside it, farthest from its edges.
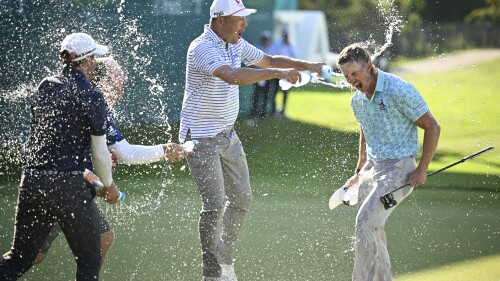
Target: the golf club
(388, 199)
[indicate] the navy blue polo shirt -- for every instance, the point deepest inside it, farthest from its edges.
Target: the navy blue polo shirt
(66, 110)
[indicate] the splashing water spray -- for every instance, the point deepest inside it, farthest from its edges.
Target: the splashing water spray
(392, 22)
(156, 90)
(327, 75)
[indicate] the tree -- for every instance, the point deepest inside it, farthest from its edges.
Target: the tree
(489, 15)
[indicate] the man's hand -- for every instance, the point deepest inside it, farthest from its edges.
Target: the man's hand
(111, 193)
(175, 152)
(315, 67)
(351, 181)
(417, 177)
(290, 74)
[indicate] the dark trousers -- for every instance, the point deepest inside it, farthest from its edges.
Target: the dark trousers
(259, 108)
(42, 201)
(56, 229)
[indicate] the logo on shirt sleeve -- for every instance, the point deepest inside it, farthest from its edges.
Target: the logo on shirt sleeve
(111, 131)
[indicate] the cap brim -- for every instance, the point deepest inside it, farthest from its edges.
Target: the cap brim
(336, 198)
(245, 12)
(101, 50)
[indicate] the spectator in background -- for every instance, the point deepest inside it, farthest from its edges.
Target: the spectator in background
(282, 47)
(261, 88)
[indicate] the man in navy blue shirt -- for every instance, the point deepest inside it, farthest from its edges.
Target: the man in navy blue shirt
(68, 127)
(110, 79)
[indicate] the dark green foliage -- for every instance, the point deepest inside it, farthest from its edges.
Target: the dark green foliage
(427, 27)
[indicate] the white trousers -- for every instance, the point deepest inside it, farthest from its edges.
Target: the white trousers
(372, 261)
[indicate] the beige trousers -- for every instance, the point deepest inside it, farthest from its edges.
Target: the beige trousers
(372, 261)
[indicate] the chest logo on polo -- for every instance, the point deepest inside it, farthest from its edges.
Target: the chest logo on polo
(382, 105)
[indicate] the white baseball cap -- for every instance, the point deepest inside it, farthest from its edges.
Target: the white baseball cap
(81, 45)
(342, 195)
(229, 8)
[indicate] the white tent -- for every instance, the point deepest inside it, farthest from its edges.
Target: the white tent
(308, 31)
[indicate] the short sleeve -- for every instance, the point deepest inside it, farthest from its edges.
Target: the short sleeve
(411, 103)
(205, 58)
(250, 54)
(113, 134)
(94, 108)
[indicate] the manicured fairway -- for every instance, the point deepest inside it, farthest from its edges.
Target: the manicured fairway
(484, 269)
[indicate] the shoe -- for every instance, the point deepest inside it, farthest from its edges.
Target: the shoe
(228, 272)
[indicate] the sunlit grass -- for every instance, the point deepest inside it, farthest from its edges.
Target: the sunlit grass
(484, 269)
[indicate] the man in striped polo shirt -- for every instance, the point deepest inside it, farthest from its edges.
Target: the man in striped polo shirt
(209, 110)
(389, 110)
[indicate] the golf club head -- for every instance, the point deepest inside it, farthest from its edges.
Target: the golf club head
(388, 201)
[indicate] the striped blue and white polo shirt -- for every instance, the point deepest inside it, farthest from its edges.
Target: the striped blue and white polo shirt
(210, 104)
(388, 118)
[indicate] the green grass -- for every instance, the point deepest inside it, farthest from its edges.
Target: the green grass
(295, 164)
(478, 269)
(287, 236)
